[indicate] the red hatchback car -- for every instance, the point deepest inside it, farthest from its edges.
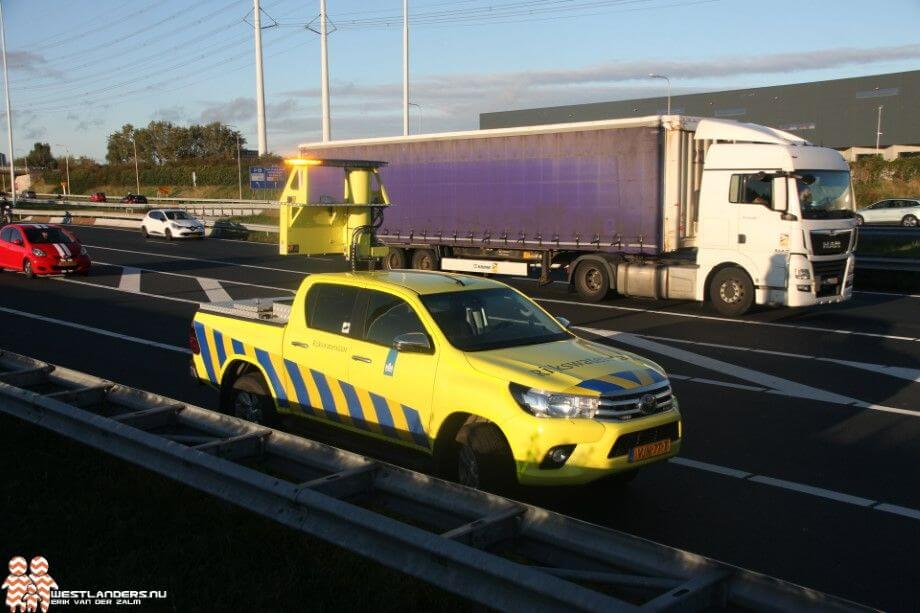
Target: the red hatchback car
(42, 249)
(98, 197)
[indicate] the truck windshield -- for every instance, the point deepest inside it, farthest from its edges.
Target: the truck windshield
(477, 320)
(825, 194)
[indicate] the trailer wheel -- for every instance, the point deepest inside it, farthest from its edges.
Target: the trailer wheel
(592, 281)
(424, 259)
(396, 258)
(732, 291)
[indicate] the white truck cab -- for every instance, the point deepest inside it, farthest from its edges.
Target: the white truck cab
(778, 208)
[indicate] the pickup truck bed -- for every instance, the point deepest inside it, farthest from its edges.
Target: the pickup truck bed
(267, 310)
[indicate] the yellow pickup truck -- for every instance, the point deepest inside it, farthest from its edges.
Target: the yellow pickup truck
(463, 368)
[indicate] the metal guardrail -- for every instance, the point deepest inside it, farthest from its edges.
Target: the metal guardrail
(162, 199)
(498, 552)
(132, 217)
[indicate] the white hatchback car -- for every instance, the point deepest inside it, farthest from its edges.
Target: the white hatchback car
(171, 223)
(902, 211)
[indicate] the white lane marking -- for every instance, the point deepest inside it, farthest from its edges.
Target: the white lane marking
(813, 491)
(801, 488)
(739, 386)
(180, 257)
(771, 383)
(214, 290)
(713, 468)
(100, 331)
(887, 294)
(749, 322)
(911, 374)
(898, 510)
(177, 274)
(130, 280)
(157, 296)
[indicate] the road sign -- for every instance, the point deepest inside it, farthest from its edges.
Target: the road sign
(266, 177)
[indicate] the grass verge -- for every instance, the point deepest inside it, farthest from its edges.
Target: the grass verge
(105, 524)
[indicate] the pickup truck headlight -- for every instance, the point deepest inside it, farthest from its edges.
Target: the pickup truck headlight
(553, 404)
(38, 252)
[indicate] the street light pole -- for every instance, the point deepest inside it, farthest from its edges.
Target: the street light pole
(406, 102)
(239, 165)
(67, 192)
(418, 122)
(878, 129)
(137, 174)
(324, 69)
(9, 111)
(661, 76)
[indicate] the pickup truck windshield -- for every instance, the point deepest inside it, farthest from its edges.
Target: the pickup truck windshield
(477, 320)
(825, 194)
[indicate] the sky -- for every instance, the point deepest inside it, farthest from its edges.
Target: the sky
(80, 69)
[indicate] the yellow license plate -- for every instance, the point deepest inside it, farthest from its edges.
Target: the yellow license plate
(644, 452)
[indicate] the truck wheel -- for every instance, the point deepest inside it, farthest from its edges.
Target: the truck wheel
(484, 459)
(592, 281)
(731, 291)
(424, 259)
(909, 221)
(251, 400)
(396, 258)
(860, 220)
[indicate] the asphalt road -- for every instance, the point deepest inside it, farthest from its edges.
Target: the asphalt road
(801, 453)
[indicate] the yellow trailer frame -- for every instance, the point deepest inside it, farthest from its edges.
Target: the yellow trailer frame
(332, 226)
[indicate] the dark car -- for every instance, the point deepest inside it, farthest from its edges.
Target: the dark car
(98, 197)
(134, 199)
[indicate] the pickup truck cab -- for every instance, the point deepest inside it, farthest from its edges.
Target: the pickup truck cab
(465, 369)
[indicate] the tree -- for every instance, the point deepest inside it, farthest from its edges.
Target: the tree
(40, 157)
(162, 142)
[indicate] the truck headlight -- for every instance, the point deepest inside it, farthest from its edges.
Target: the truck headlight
(803, 274)
(553, 404)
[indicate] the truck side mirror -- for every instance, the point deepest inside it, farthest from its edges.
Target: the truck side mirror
(565, 322)
(781, 194)
(412, 342)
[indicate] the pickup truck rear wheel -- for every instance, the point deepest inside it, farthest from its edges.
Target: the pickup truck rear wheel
(592, 281)
(484, 459)
(732, 291)
(251, 400)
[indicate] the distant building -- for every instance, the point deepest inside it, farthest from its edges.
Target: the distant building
(3, 160)
(842, 113)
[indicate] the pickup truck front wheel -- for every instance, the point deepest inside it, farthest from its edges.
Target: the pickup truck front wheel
(484, 459)
(251, 400)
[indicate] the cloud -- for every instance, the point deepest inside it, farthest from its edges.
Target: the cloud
(454, 101)
(238, 109)
(89, 124)
(174, 114)
(29, 61)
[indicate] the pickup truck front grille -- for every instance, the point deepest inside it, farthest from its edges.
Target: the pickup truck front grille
(629, 404)
(627, 441)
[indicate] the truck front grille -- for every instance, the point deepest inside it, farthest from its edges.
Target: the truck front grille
(825, 243)
(628, 404)
(829, 277)
(627, 441)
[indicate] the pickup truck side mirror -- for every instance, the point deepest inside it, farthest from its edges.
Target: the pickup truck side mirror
(565, 322)
(412, 342)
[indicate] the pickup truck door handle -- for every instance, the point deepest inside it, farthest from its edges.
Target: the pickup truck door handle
(301, 345)
(361, 358)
